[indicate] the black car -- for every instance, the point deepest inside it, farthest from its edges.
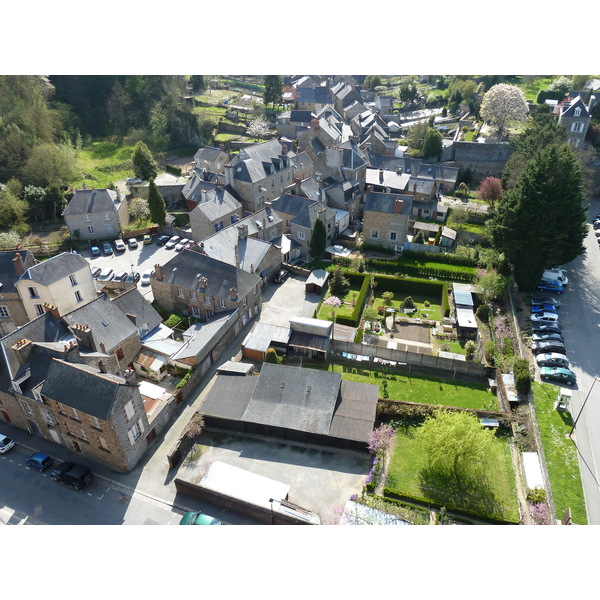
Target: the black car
(541, 327)
(538, 336)
(132, 277)
(548, 346)
(73, 474)
(281, 276)
(161, 240)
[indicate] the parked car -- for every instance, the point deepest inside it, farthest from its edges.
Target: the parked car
(545, 300)
(198, 518)
(132, 243)
(538, 308)
(541, 327)
(107, 248)
(281, 276)
(545, 317)
(120, 276)
(133, 181)
(172, 242)
(132, 277)
(558, 374)
(6, 443)
(96, 271)
(147, 239)
(550, 286)
(548, 346)
(189, 245)
(542, 337)
(120, 245)
(146, 276)
(161, 240)
(73, 474)
(552, 359)
(181, 244)
(597, 224)
(95, 251)
(105, 275)
(39, 460)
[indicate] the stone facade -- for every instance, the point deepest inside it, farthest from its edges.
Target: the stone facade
(12, 310)
(386, 219)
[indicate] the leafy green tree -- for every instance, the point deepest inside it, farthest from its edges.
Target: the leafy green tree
(12, 209)
(388, 298)
(416, 135)
(372, 81)
(9, 240)
(51, 164)
(491, 286)
(432, 144)
(318, 240)
(156, 204)
(54, 202)
(470, 349)
(198, 83)
(271, 356)
(273, 90)
(144, 165)
(542, 220)
(338, 284)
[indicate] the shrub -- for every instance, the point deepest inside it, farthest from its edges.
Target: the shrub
(483, 312)
(536, 495)
(470, 349)
(173, 321)
(522, 376)
(271, 356)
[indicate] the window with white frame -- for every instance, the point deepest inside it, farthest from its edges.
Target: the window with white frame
(33, 292)
(208, 300)
(180, 292)
(73, 279)
(244, 302)
(577, 127)
(74, 414)
(374, 234)
(96, 423)
(221, 303)
(129, 412)
(393, 236)
(196, 312)
(136, 431)
(26, 408)
(577, 111)
(102, 443)
(37, 395)
(4, 312)
(39, 309)
(194, 297)
(301, 235)
(82, 435)
(78, 296)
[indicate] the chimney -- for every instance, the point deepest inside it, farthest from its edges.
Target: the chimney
(18, 262)
(284, 149)
(102, 348)
(232, 294)
(380, 174)
(101, 366)
(264, 229)
(84, 336)
(51, 308)
(203, 283)
(297, 183)
(132, 318)
(398, 207)
(314, 123)
(158, 272)
(243, 231)
(118, 194)
(130, 376)
(22, 350)
(84, 185)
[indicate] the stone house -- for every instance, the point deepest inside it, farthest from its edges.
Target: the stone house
(312, 98)
(196, 285)
(346, 100)
(216, 209)
(292, 122)
(210, 159)
(260, 173)
(97, 413)
(386, 219)
(64, 281)
(13, 264)
(575, 118)
(96, 214)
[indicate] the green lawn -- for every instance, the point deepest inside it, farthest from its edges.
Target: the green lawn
(495, 498)
(429, 390)
(560, 453)
(102, 162)
(433, 311)
(345, 310)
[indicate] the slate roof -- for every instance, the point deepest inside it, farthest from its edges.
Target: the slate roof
(386, 203)
(391, 179)
(8, 273)
(56, 268)
(215, 203)
(250, 251)
(313, 95)
(108, 324)
(301, 116)
(252, 163)
(291, 205)
(208, 154)
(83, 388)
(569, 111)
(186, 268)
(308, 217)
(192, 190)
(92, 201)
(134, 303)
(263, 335)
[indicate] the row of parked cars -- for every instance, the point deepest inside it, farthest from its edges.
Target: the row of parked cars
(70, 473)
(547, 342)
(106, 248)
(174, 242)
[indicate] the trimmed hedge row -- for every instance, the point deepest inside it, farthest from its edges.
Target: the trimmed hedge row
(354, 318)
(173, 170)
(447, 259)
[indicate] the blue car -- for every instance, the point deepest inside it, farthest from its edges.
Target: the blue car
(39, 461)
(95, 251)
(550, 286)
(107, 248)
(536, 308)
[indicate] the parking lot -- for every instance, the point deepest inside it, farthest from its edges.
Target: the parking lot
(140, 259)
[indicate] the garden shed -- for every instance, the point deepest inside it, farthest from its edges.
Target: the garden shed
(315, 284)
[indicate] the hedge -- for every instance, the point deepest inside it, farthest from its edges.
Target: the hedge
(447, 259)
(354, 318)
(173, 170)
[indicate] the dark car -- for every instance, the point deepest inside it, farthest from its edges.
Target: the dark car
(536, 308)
(107, 248)
(73, 474)
(132, 277)
(541, 299)
(548, 346)
(552, 359)
(281, 276)
(558, 374)
(39, 460)
(161, 240)
(198, 518)
(545, 327)
(538, 336)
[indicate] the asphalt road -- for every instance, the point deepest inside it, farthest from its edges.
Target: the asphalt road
(580, 321)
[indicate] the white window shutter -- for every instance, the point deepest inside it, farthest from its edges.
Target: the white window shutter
(141, 426)
(131, 439)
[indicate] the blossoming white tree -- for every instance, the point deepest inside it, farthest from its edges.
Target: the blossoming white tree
(503, 105)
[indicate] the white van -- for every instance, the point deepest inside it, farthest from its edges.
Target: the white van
(555, 275)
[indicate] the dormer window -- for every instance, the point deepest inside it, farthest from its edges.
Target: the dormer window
(577, 112)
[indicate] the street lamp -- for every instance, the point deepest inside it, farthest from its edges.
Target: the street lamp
(583, 406)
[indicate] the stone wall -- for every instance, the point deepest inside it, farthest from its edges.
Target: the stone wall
(484, 160)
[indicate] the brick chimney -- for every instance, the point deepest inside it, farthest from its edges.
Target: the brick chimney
(158, 272)
(130, 376)
(84, 336)
(203, 282)
(243, 231)
(101, 366)
(398, 206)
(314, 123)
(22, 350)
(51, 308)
(233, 293)
(297, 183)
(18, 263)
(380, 174)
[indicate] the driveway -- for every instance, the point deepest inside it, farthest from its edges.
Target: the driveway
(284, 301)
